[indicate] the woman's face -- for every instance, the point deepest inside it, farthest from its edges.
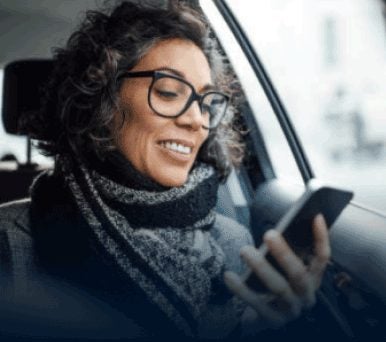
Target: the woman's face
(149, 141)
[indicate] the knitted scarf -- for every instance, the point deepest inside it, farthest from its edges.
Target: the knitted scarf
(152, 235)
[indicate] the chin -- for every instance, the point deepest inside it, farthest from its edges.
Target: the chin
(172, 180)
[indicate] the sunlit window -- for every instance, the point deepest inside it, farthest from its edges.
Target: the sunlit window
(327, 58)
(330, 41)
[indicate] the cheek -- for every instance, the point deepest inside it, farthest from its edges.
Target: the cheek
(136, 119)
(135, 134)
(137, 138)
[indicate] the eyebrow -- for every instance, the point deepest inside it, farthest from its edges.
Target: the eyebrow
(205, 88)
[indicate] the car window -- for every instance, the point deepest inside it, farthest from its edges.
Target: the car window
(327, 59)
(10, 144)
(282, 159)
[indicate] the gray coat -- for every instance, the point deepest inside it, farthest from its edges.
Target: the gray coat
(23, 270)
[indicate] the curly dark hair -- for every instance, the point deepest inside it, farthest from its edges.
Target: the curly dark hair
(82, 95)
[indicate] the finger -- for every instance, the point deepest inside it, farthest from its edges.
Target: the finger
(257, 301)
(241, 290)
(267, 274)
(293, 267)
(321, 247)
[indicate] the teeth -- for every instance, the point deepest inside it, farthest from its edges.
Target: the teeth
(177, 147)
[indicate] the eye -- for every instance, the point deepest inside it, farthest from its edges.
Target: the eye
(169, 95)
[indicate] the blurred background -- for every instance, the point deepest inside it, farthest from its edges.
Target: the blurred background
(327, 60)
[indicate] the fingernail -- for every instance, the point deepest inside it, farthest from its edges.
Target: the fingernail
(271, 235)
(230, 276)
(320, 219)
(247, 252)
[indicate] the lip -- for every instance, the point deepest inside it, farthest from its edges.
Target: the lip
(176, 156)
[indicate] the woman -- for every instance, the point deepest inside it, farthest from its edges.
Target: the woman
(142, 135)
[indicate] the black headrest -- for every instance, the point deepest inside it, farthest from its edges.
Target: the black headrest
(22, 90)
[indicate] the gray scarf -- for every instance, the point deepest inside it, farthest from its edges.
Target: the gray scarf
(152, 236)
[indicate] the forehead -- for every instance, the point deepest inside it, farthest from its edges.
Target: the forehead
(181, 55)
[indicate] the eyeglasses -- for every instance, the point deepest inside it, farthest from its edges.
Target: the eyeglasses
(170, 96)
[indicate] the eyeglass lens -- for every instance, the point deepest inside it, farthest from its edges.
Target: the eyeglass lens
(170, 96)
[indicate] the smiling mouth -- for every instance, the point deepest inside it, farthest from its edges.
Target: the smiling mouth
(176, 147)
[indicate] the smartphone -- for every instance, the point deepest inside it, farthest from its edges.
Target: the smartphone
(296, 223)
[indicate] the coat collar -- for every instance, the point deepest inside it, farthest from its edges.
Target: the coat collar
(23, 218)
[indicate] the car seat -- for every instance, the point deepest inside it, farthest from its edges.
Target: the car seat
(22, 84)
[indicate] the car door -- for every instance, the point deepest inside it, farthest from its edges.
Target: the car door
(284, 154)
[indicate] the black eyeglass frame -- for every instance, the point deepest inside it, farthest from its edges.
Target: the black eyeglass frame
(156, 75)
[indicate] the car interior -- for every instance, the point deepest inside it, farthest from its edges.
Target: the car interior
(352, 299)
(21, 95)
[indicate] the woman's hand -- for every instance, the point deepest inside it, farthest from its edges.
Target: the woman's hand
(286, 296)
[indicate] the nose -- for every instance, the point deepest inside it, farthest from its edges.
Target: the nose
(191, 118)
